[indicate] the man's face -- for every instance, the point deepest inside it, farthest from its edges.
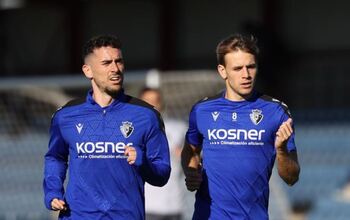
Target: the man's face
(239, 74)
(105, 67)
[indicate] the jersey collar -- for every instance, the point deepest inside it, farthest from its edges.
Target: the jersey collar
(254, 97)
(120, 97)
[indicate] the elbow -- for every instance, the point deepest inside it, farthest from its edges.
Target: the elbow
(292, 181)
(162, 179)
(160, 182)
(292, 178)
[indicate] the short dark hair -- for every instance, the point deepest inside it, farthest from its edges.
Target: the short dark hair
(236, 42)
(100, 41)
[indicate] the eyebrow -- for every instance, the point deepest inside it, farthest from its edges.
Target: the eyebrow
(252, 65)
(118, 60)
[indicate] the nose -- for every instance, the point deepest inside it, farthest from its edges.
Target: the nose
(246, 73)
(116, 67)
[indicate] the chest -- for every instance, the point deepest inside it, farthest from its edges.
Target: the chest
(242, 125)
(102, 126)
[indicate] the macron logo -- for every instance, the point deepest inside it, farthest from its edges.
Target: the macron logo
(79, 127)
(215, 115)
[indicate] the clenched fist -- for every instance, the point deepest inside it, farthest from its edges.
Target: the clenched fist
(193, 178)
(57, 204)
(283, 134)
(131, 154)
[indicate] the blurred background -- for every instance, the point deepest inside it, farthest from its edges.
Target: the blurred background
(304, 61)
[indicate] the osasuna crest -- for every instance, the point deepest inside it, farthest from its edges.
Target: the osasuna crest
(256, 116)
(126, 128)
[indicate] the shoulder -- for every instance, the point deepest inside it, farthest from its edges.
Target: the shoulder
(207, 101)
(70, 105)
(277, 103)
(145, 108)
(141, 105)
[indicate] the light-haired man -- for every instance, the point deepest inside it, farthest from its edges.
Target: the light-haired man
(240, 132)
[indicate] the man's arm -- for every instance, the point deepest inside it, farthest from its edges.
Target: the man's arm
(287, 162)
(154, 162)
(192, 167)
(55, 169)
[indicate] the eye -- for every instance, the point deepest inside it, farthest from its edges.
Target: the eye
(237, 68)
(252, 66)
(119, 61)
(106, 63)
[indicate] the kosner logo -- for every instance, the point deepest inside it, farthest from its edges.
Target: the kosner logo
(235, 134)
(101, 147)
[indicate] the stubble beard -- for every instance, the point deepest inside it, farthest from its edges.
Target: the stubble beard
(114, 90)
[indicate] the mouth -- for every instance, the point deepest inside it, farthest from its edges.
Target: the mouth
(116, 78)
(246, 85)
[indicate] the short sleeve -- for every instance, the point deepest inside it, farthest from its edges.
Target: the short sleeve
(285, 116)
(193, 136)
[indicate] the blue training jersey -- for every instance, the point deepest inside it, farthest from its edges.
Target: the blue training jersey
(237, 140)
(90, 141)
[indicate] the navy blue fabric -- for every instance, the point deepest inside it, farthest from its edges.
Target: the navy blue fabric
(89, 140)
(237, 141)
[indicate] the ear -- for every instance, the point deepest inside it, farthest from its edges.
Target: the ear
(222, 71)
(87, 71)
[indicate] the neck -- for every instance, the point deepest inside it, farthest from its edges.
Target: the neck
(232, 96)
(102, 99)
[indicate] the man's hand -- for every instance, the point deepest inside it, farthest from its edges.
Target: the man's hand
(58, 205)
(192, 167)
(287, 162)
(193, 178)
(283, 134)
(131, 154)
